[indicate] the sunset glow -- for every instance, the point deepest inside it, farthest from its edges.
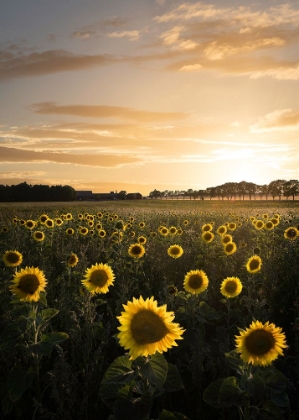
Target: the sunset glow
(141, 95)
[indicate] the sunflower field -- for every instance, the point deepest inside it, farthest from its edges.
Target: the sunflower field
(158, 310)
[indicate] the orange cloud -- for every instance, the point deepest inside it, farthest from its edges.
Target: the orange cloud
(10, 155)
(103, 111)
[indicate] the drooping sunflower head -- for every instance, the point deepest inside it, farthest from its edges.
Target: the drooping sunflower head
(175, 251)
(254, 264)
(98, 278)
(291, 233)
(38, 236)
(28, 283)
(72, 260)
(196, 281)
(12, 258)
(260, 344)
(147, 328)
(231, 287)
(207, 236)
(230, 248)
(136, 250)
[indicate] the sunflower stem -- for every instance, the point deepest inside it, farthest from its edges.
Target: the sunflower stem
(36, 356)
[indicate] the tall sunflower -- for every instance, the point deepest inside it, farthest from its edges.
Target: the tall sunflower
(28, 283)
(260, 344)
(196, 281)
(175, 251)
(231, 287)
(254, 264)
(147, 328)
(98, 278)
(12, 258)
(136, 250)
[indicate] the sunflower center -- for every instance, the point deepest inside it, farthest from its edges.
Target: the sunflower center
(175, 250)
(229, 247)
(136, 250)
(195, 281)
(259, 342)
(291, 233)
(12, 257)
(231, 286)
(254, 264)
(38, 235)
(29, 284)
(99, 278)
(147, 327)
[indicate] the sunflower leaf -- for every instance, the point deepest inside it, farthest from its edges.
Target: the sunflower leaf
(18, 381)
(155, 370)
(211, 393)
(230, 393)
(43, 348)
(119, 372)
(55, 337)
(173, 380)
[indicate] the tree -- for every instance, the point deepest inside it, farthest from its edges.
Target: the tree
(155, 194)
(291, 188)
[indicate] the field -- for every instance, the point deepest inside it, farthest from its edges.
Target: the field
(224, 269)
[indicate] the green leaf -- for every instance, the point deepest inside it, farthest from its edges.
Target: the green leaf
(18, 381)
(173, 380)
(6, 403)
(119, 372)
(253, 385)
(230, 393)
(155, 370)
(208, 312)
(43, 348)
(211, 393)
(47, 314)
(55, 337)
(43, 299)
(234, 360)
(270, 411)
(12, 334)
(132, 408)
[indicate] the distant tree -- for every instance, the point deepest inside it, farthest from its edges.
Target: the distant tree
(155, 194)
(275, 188)
(291, 188)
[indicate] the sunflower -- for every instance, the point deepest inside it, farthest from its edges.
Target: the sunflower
(232, 226)
(231, 287)
(30, 224)
(83, 231)
(141, 225)
(226, 239)
(163, 230)
(196, 281)
(275, 221)
(260, 344)
(69, 231)
(58, 221)
(254, 264)
(69, 216)
(207, 227)
(100, 215)
(179, 231)
(50, 223)
(172, 230)
(98, 278)
(28, 283)
(136, 250)
(72, 260)
(269, 225)
(38, 236)
(291, 233)
(222, 230)
(207, 237)
(12, 258)
(186, 222)
(102, 233)
(142, 240)
(230, 248)
(42, 218)
(147, 328)
(175, 251)
(259, 224)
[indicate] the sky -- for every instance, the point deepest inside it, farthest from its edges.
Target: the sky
(137, 95)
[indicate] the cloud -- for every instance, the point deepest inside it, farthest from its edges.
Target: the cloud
(191, 67)
(284, 119)
(104, 111)
(82, 34)
(48, 62)
(12, 155)
(132, 35)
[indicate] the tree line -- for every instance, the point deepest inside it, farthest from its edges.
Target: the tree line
(236, 190)
(27, 192)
